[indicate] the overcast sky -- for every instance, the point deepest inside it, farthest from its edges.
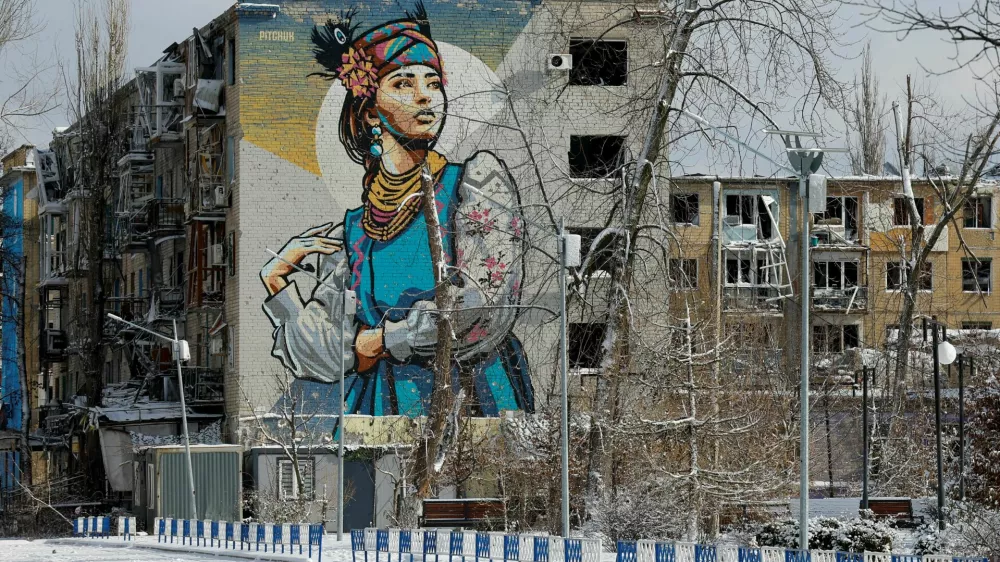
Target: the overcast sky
(157, 24)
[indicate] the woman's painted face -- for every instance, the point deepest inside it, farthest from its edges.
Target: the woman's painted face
(411, 102)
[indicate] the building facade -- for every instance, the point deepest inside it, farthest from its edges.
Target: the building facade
(271, 167)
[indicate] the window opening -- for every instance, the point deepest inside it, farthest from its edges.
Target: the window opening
(598, 62)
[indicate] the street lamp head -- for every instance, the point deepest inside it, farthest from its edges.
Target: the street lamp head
(946, 353)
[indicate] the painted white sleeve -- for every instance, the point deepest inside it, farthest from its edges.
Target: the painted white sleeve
(307, 331)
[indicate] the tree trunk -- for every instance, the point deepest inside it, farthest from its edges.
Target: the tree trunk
(429, 453)
(606, 399)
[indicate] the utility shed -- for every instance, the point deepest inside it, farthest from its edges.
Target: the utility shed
(217, 480)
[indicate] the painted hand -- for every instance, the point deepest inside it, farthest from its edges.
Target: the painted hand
(275, 272)
(369, 348)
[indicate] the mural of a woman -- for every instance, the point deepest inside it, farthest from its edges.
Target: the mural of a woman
(392, 116)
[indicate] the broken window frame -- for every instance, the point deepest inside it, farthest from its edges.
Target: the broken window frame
(684, 273)
(822, 270)
(901, 212)
(902, 271)
(584, 164)
(972, 275)
(978, 212)
(835, 338)
(603, 263)
(977, 325)
(840, 207)
(685, 208)
(598, 62)
(586, 346)
(751, 210)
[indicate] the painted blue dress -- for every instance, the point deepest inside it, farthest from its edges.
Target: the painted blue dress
(394, 282)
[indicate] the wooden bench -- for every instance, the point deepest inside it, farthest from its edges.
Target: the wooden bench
(899, 510)
(465, 513)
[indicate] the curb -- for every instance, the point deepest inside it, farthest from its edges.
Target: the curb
(205, 551)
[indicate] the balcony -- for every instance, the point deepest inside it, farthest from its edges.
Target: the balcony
(850, 299)
(169, 301)
(53, 345)
(764, 298)
(166, 217)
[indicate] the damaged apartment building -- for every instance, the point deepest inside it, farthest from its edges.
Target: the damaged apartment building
(233, 154)
(252, 143)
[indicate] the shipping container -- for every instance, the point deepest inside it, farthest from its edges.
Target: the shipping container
(165, 492)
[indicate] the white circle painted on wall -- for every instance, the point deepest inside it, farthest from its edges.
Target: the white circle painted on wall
(475, 97)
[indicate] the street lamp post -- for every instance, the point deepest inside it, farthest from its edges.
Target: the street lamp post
(806, 161)
(182, 352)
(944, 354)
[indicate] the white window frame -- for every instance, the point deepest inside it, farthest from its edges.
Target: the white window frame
(989, 282)
(989, 215)
(839, 330)
(843, 275)
(906, 273)
(304, 464)
(692, 284)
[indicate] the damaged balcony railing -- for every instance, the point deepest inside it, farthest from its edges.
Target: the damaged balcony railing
(765, 298)
(166, 216)
(203, 385)
(846, 299)
(169, 301)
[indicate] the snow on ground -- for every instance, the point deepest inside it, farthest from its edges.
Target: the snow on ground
(115, 550)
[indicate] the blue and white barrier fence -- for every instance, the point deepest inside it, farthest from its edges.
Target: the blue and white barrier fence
(469, 546)
(432, 545)
(653, 551)
(248, 536)
(92, 527)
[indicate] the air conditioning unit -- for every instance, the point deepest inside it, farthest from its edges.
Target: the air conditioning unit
(220, 196)
(179, 88)
(560, 62)
(216, 255)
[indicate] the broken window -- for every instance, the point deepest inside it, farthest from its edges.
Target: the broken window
(749, 209)
(834, 338)
(978, 213)
(839, 223)
(977, 325)
(598, 62)
(684, 208)
(684, 273)
(738, 271)
(901, 211)
(896, 274)
(835, 274)
(586, 345)
(595, 156)
(288, 480)
(599, 258)
(976, 275)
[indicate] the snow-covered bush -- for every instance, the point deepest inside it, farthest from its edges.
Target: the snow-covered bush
(644, 511)
(826, 533)
(932, 541)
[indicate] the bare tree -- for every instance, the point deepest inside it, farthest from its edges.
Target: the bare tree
(299, 435)
(868, 116)
(97, 108)
(29, 96)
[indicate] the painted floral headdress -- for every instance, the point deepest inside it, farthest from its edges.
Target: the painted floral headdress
(359, 63)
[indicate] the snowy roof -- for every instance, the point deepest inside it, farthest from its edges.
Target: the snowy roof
(147, 411)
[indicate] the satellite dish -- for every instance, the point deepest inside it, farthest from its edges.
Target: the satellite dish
(890, 170)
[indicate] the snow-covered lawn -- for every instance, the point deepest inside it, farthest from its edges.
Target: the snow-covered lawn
(147, 549)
